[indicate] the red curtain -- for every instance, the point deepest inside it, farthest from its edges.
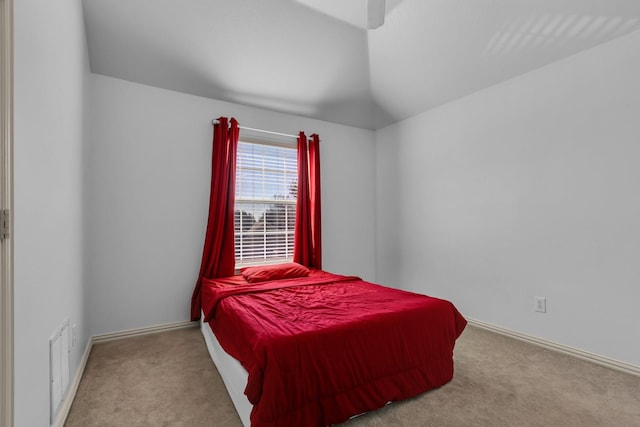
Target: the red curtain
(307, 246)
(302, 241)
(314, 196)
(218, 255)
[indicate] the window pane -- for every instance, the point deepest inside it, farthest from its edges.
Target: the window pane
(265, 209)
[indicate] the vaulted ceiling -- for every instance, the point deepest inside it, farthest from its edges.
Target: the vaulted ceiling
(315, 58)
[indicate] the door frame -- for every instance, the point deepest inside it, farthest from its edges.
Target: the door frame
(6, 202)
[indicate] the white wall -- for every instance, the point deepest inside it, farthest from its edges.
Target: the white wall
(148, 172)
(528, 188)
(51, 68)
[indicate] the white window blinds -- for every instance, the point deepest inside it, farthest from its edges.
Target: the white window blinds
(265, 206)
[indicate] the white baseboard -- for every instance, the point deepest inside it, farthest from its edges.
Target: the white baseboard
(143, 331)
(607, 362)
(63, 412)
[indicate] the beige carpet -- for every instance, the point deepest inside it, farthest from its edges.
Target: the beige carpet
(167, 379)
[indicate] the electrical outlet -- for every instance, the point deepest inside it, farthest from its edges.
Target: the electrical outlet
(74, 334)
(540, 304)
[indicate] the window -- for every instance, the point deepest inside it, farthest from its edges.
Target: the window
(265, 206)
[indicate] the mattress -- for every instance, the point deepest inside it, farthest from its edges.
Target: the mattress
(233, 374)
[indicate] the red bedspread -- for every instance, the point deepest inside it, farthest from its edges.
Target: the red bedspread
(322, 348)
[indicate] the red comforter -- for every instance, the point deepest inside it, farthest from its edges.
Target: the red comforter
(322, 348)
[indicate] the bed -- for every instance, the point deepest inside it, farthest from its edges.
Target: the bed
(316, 348)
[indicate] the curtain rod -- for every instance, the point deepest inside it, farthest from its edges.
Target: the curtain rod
(215, 122)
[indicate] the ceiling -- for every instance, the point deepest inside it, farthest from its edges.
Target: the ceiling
(315, 58)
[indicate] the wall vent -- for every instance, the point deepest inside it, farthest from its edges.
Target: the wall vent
(58, 366)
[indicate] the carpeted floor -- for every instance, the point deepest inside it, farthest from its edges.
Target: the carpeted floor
(168, 379)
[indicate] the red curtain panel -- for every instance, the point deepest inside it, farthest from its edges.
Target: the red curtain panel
(314, 195)
(307, 246)
(302, 242)
(218, 255)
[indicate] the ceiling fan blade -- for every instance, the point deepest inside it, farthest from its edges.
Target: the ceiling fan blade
(375, 13)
